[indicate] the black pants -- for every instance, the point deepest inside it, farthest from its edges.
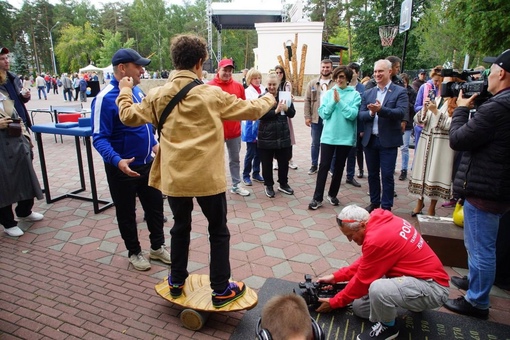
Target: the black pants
(215, 210)
(283, 157)
(503, 251)
(124, 190)
(327, 152)
(76, 92)
(23, 209)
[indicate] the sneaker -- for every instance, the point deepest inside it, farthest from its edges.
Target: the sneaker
(403, 175)
(33, 217)
(380, 331)
(333, 200)
(258, 178)
(313, 170)
(13, 231)
(269, 191)
(175, 288)
(292, 165)
(237, 189)
(139, 262)
(314, 205)
(247, 181)
(275, 165)
(360, 173)
(286, 189)
(330, 173)
(161, 254)
(234, 291)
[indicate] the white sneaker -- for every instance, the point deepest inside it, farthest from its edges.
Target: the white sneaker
(14, 231)
(238, 189)
(275, 165)
(139, 262)
(33, 217)
(161, 254)
(292, 165)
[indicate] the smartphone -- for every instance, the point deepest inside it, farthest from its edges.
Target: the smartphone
(432, 95)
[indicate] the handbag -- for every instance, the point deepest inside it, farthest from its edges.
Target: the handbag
(14, 128)
(458, 213)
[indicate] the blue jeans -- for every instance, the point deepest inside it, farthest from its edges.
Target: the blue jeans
(41, 89)
(316, 141)
(251, 157)
(480, 234)
(233, 149)
(417, 133)
(404, 149)
(380, 159)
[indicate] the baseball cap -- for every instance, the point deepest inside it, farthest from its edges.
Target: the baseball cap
(503, 60)
(4, 50)
(128, 55)
(422, 71)
(225, 63)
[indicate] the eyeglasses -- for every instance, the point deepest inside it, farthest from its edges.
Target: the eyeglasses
(339, 221)
(340, 77)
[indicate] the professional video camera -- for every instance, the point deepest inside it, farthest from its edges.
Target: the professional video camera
(471, 85)
(312, 291)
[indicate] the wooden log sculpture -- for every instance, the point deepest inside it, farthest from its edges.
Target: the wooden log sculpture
(290, 65)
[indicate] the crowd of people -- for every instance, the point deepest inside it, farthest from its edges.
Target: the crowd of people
(170, 142)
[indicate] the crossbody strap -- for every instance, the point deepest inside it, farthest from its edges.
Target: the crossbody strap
(175, 100)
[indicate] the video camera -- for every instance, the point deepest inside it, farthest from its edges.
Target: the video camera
(312, 291)
(471, 85)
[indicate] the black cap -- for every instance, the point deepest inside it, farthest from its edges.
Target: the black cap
(503, 60)
(128, 55)
(4, 50)
(422, 71)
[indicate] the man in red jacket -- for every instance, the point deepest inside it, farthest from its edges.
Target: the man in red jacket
(397, 268)
(231, 129)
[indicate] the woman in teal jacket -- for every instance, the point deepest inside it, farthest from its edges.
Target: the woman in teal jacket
(339, 112)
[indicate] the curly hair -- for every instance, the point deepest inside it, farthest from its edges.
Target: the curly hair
(187, 50)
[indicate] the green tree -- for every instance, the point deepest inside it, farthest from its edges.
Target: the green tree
(76, 47)
(111, 42)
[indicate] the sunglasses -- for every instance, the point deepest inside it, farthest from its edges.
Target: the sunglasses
(339, 221)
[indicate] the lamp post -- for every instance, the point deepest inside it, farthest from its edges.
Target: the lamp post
(51, 43)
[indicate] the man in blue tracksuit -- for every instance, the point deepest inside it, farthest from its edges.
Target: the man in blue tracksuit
(128, 154)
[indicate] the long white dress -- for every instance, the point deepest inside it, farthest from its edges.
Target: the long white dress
(433, 159)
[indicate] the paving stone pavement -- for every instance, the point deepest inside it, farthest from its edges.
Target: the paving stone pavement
(69, 277)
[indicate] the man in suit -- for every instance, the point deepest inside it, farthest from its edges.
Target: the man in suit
(382, 109)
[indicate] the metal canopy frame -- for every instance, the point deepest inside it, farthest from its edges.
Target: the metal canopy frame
(227, 16)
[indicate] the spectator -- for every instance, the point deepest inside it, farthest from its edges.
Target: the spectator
(407, 127)
(418, 82)
(41, 86)
(397, 268)
(128, 156)
(339, 112)
(249, 130)
(191, 162)
(483, 180)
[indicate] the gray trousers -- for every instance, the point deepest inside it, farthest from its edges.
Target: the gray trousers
(233, 149)
(385, 295)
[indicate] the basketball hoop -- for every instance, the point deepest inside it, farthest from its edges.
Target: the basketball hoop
(387, 34)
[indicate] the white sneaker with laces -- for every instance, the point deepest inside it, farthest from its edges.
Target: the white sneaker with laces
(33, 217)
(161, 254)
(292, 165)
(14, 231)
(380, 332)
(139, 262)
(238, 189)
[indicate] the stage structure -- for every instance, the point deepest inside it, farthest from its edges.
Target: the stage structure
(239, 14)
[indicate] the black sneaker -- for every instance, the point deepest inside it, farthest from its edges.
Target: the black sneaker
(462, 306)
(403, 175)
(380, 332)
(333, 200)
(175, 288)
(269, 191)
(286, 189)
(234, 291)
(314, 205)
(313, 170)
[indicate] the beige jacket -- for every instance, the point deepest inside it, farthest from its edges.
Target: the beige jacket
(313, 99)
(191, 157)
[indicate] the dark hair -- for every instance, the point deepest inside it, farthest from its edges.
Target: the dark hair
(280, 67)
(394, 60)
(187, 50)
(354, 66)
(342, 69)
(326, 61)
(405, 77)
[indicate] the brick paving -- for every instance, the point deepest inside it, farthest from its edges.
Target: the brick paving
(69, 277)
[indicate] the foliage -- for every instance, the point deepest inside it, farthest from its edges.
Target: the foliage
(77, 47)
(111, 42)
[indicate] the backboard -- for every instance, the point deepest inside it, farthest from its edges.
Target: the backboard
(405, 16)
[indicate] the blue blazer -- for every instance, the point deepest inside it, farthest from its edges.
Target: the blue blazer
(394, 107)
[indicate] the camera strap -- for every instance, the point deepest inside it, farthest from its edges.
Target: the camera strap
(175, 100)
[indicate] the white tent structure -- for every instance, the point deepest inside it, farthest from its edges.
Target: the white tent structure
(108, 69)
(90, 68)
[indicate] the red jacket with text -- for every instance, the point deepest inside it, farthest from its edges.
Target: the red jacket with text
(231, 128)
(392, 248)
